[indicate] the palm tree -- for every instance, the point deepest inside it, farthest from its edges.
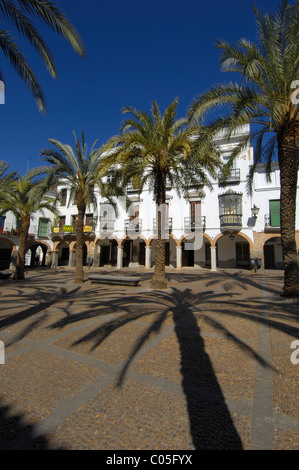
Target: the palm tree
(18, 14)
(152, 148)
(24, 197)
(266, 99)
(79, 170)
(5, 178)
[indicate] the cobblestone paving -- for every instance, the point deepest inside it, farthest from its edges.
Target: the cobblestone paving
(203, 364)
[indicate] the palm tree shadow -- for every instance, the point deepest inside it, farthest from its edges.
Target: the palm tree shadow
(211, 425)
(15, 434)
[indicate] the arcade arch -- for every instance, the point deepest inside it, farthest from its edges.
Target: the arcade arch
(233, 251)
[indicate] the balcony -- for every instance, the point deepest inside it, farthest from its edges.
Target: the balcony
(231, 221)
(271, 225)
(192, 224)
(131, 188)
(230, 211)
(107, 225)
(132, 226)
(71, 230)
(167, 227)
(233, 177)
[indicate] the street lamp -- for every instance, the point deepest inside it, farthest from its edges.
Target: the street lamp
(254, 211)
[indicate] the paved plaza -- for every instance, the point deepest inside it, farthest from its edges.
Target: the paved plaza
(207, 363)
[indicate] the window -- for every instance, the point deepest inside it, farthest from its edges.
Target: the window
(63, 196)
(274, 208)
(61, 223)
(242, 254)
(134, 213)
(230, 209)
(89, 219)
(43, 227)
(2, 221)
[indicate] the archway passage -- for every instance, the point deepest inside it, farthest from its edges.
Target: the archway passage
(5, 254)
(170, 252)
(108, 250)
(36, 255)
(133, 252)
(63, 254)
(233, 251)
(196, 251)
(273, 254)
(187, 254)
(72, 262)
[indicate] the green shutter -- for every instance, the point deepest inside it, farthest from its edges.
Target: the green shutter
(43, 227)
(275, 213)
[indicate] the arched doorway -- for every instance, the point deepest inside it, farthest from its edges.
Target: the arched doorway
(133, 252)
(63, 254)
(233, 251)
(273, 254)
(36, 255)
(108, 249)
(73, 255)
(170, 252)
(5, 254)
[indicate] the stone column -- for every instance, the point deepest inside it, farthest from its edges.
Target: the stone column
(148, 254)
(97, 256)
(120, 253)
(213, 259)
(13, 260)
(179, 257)
(54, 260)
(72, 259)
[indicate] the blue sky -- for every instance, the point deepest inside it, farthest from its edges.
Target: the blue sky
(137, 52)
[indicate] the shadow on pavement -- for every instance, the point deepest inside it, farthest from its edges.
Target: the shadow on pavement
(15, 434)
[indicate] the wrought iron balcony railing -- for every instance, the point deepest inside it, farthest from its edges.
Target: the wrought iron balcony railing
(192, 224)
(231, 220)
(233, 177)
(107, 225)
(134, 225)
(166, 227)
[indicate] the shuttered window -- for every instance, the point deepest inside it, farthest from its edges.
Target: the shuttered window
(275, 213)
(43, 227)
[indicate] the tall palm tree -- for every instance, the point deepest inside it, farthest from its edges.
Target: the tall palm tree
(18, 14)
(266, 98)
(153, 147)
(24, 197)
(79, 170)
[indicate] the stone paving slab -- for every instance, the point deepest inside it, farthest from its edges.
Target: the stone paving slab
(203, 364)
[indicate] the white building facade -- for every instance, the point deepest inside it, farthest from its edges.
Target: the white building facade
(227, 228)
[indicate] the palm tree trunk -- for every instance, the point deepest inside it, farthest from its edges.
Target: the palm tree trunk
(79, 274)
(288, 144)
(20, 267)
(159, 280)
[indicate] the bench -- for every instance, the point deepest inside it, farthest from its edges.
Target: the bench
(114, 279)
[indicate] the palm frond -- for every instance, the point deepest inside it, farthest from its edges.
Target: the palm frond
(18, 61)
(53, 17)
